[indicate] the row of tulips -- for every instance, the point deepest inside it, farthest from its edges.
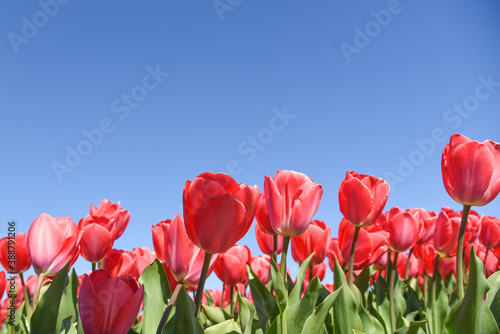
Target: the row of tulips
(387, 265)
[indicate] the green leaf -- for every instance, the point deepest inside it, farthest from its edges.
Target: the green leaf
(279, 287)
(294, 296)
(362, 281)
(184, 320)
(314, 323)
(297, 314)
(247, 313)
(69, 302)
(210, 300)
(44, 319)
(345, 310)
(370, 324)
(226, 327)
(437, 310)
(67, 326)
(414, 328)
(493, 296)
(215, 314)
(472, 314)
(381, 304)
(156, 295)
(265, 303)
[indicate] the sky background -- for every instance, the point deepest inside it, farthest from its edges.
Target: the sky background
(377, 97)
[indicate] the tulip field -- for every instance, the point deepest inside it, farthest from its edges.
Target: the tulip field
(394, 270)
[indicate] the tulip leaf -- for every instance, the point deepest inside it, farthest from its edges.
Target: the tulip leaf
(156, 295)
(413, 328)
(67, 326)
(210, 300)
(437, 310)
(370, 324)
(381, 304)
(184, 320)
(493, 296)
(215, 314)
(315, 321)
(247, 313)
(69, 302)
(362, 281)
(279, 287)
(345, 312)
(472, 314)
(297, 314)
(226, 327)
(44, 319)
(265, 303)
(294, 296)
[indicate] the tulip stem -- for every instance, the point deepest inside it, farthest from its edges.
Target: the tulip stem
(433, 296)
(392, 278)
(407, 268)
(231, 302)
(93, 266)
(426, 287)
(485, 257)
(460, 252)
(27, 304)
(351, 258)
(286, 241)
(168, 309)
(201, 283)
(275, 248)
(38, 287)
(222, 295)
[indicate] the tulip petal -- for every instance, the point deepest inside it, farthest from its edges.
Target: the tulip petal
(305, 207)
(128, 312)
(355, 200)
(96, 242)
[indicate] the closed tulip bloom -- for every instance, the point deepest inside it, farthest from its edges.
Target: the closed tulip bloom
(231, 266)
(52, 242)
(401, 265)
(96, 240)
(142, 257)
(292, 200)
(316, 239)
(107, 212)
(266, 241)
(362, 198)
(427, 255)
(117, 263)
(262, 215)
(21, 261)
(160, 232)
(446, 232)
(471, 170)
(490, 232)
(334, 252)
(3, 282)
(260, 266)
(218, 211)
(184, 258)
(473, 227)
(404, 229)
(428, 219)
(372, 244)
(109, 305)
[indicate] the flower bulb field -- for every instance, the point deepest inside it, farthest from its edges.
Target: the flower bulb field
(395, 270)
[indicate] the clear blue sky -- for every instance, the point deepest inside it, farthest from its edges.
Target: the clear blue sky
(363, 85)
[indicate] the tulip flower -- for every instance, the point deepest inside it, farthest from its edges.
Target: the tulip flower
(471, 176)
(412, 270)
(427, 255)
(260, 266)
(446, 232)
(404, 229)
(17, 260)
(334, 252)
(184, 258)
(266, 241)
(117, 263)
(109, 305)
(3, 282)
(108, 212)
(160, 232)
(96, 240)
(316, 239)
(231, 266)
(490, 235)
(142, 257)
(428, 219)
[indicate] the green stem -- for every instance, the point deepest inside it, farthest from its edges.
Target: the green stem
(274, 256)
(231, 302)
(222, 295)
(460, 253)
(407, 268)
(286, 241)
(38, 287)
(27, 304)
(433, 296)
(426, 288)
(310, 272)
(170, 305)
(392, 277)
(485, 257)
(351, 258)
(93, 266)
(201, 283)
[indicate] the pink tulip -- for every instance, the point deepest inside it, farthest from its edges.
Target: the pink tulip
(266, 241)
(21, 261)
(160, 232)
(96, 240)
(260, 266)
(106, 213)
(404, 229)
(316, 239)
(231, 266)
(490, 232)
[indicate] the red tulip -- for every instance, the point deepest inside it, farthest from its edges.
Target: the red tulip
(218, 211)
(446, 232)
(184, 258)
(216, 297)
(97, 240)
(315, 239)
(372, 243)
(330, 287)
(266, 241)
(15, 259)
(52, 242)
(231, 266)
(447, 265)
(404, 229)
(401, 265)
(262, 215)
(109, 305)
(334, 252)
(260, 266)
(107, 212)
(427, 255)
(3, 282)
(471, 170)
(160, 232)
(362, 198)
(292, 200)
(142, 257)
(428, 219)
(117, 263)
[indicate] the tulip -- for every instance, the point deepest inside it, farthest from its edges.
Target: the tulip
(428, 219)
(362, 198)
(96, 240)
(404, 229)
(142, 257)
(266, 241)
(489, 237)
(109, 305)
(160, 232)
(231, 267)
(427, 255)
(334, 252)
(15, 259)
(107, 212)
(316, 239)
(184, 258)
(260, 266)
(446, 232)
(3, 282)
(401, 266)
(117, 263)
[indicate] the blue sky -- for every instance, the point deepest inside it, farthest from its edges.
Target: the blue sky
(243, 87)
